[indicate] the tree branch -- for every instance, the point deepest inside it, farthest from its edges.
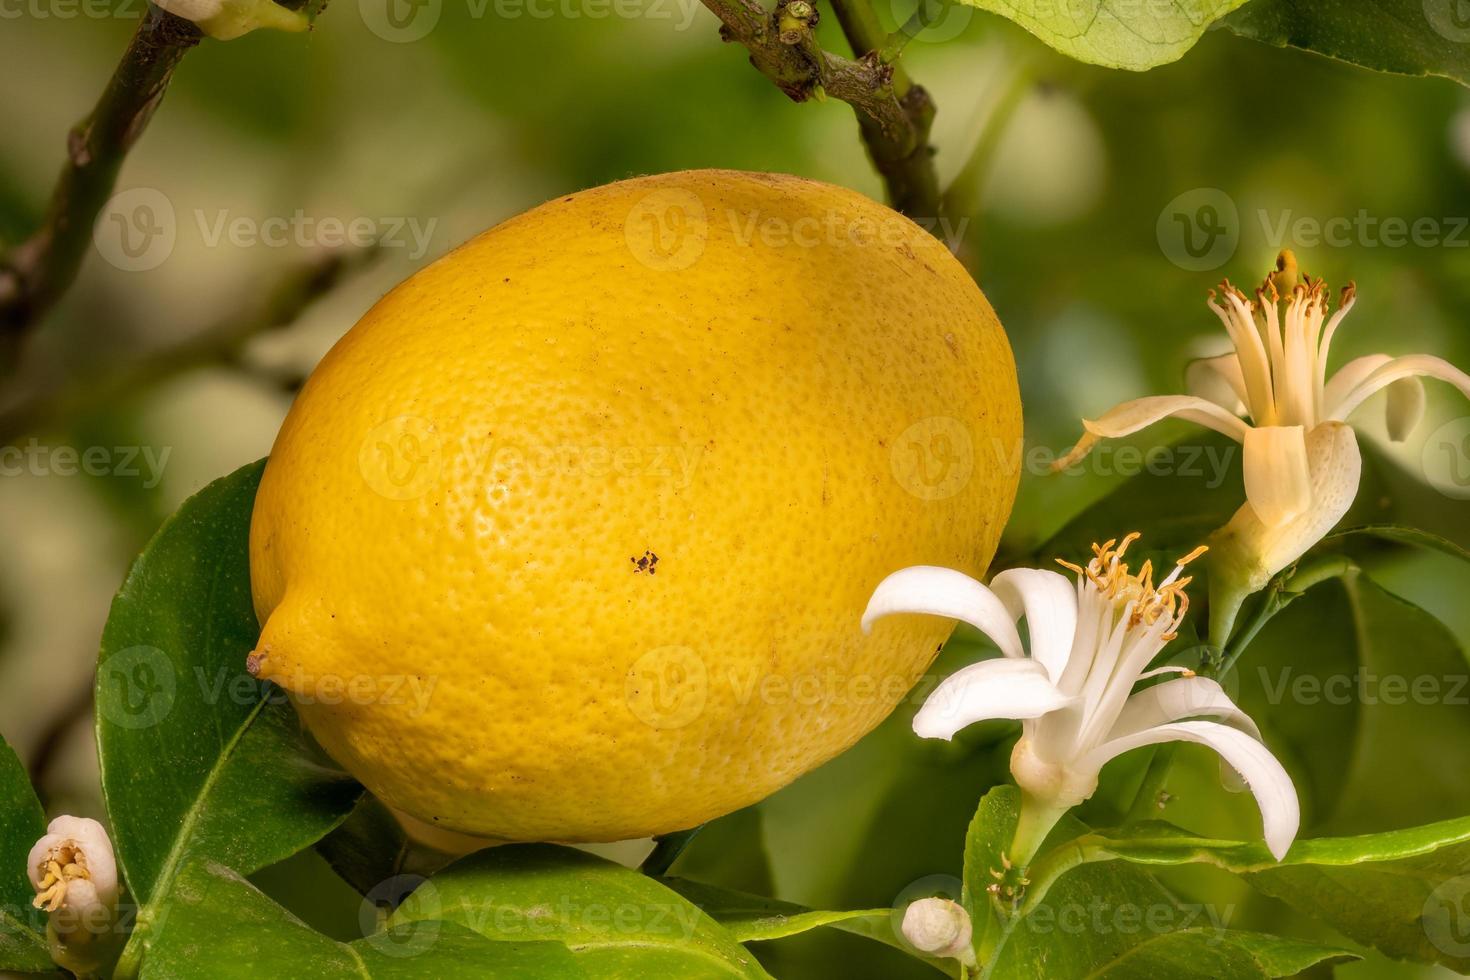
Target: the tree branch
(893, 113)
(35, 273)
(221, 343)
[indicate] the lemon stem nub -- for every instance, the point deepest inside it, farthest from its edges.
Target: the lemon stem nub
(255, 661)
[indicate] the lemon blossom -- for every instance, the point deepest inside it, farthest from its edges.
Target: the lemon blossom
(72, 868)
(1273, 395)
(1091, 642)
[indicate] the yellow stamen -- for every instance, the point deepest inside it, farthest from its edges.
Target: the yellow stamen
(1193, 555)
(1112, 578)
(64, 864)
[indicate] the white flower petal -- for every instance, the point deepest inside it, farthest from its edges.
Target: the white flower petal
(1049, 602)
(90, 838)
(1336, 466)
(1245, 553)
(1129, 417)
(1406, 403)
(1268, 781)
(934, 591)
(1411, 365)
(1348, 377)
(1001, 688)
(1278, 483)
(1406, 398)
(1115, 673)
(1218, 379)
(1176, 700)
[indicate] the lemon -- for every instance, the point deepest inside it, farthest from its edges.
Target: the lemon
(569, 537)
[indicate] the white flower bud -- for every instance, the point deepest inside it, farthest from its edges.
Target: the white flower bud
(72, 868)
(938, 927)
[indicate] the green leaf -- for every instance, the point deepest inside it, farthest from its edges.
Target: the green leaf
(1087, 922)
(22, 823)
(989, 836)
(216, 924)
(1401, 534)
(370, 848)
(1115, 33)
(1391, 494)
(755, 918)
(730, 851)
(618, 922)
(1082, 919)
(1411, 747)
(1406, 37)
(1195, 953)
(1399, 891)
(1207, 475)
(199, 760)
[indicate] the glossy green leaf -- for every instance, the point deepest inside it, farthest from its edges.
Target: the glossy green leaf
(1402, 534)
(367, 848)
(1082, 919)
(1399, 891)
(200, 761)
(989, 836)
(1406, 37)
(370, 847)
(755, 918)
(1190, 954)
(216, 924)
(1207, 475)
(730, 851)
(22, 823)
(1115, 33)
(618, 922)
(836, 832)
(1074, 925)
(1410, 749)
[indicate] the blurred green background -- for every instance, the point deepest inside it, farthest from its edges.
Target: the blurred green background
(1074, 227)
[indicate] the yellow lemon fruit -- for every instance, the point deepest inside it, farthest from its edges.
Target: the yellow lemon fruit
(569, 537)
